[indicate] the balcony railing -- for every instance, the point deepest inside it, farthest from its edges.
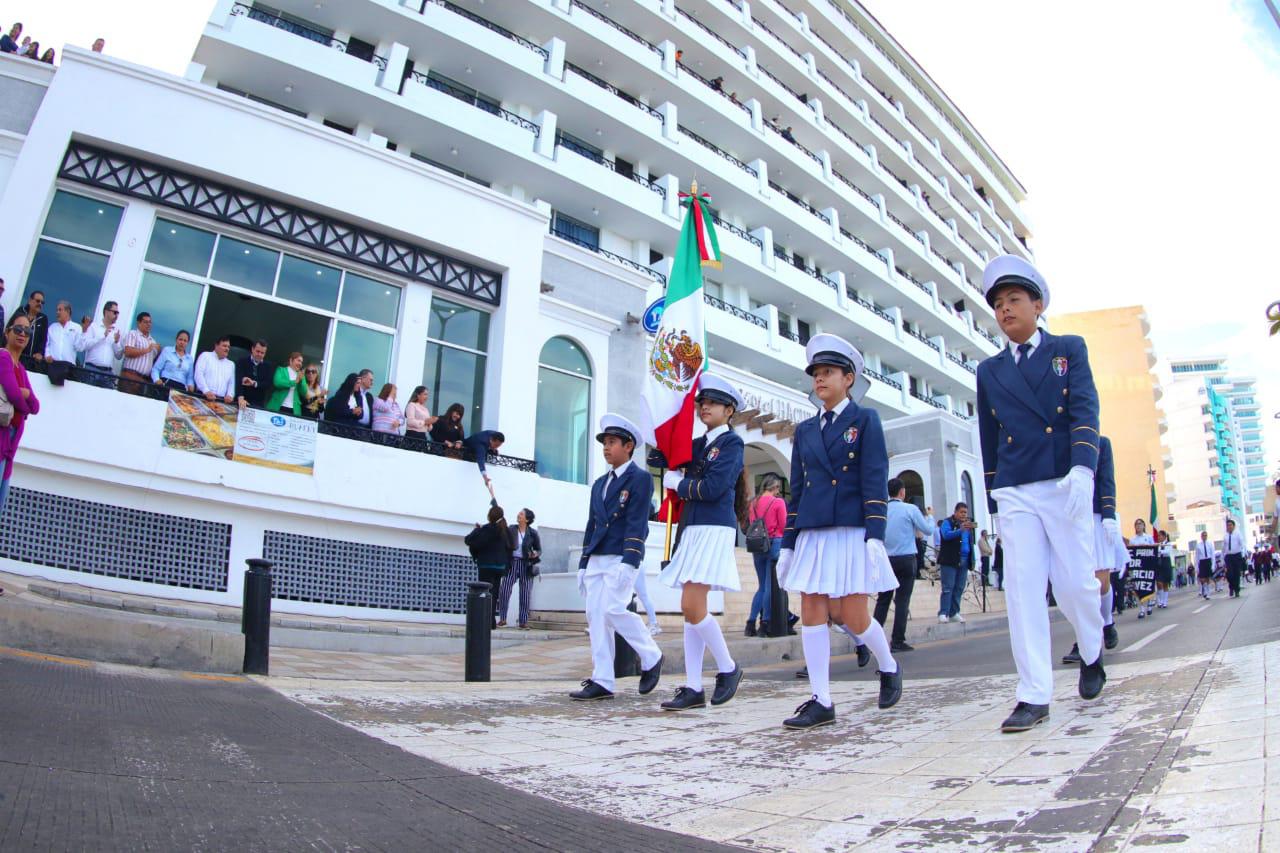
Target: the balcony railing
(488, 25)
(789, 138)
(612, 89)
(734, 229)
(734, 310)
(983, 332)
(779, 39)
(851, 185)
(715, 35)
(814, 274)
(300, 29)
(619, 27)
(879, 312)
(966, 365)
(904, 226)
(932, 402)
(725, 154)
(766, 72)
(601, 160)
(797, 201)
(715, 86)
(626, 262)
(922, 339)
(880, 377)
(470, 98)
(849, 235)
(789, 335)
(909, 277)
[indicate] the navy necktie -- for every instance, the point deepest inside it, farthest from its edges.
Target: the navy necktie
(1024, 361)
(608, 483)
(827, 418)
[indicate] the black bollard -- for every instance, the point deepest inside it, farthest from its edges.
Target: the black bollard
(255, 617)
(479, 628)
(779, 613)
(626, 661)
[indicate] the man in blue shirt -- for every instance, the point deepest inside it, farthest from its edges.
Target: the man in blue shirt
(904, 522)
(955, 558)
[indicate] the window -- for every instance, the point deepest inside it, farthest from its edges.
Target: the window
(457, 342)
(180, 247)
(356, 348)
(174, 304)
(465, 93)
(563, 432)
(575, 231)
(310, 283)
(370, 300)
(966, 491)
(245, 265)
(71, 257)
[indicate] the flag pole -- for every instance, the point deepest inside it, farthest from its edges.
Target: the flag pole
(666, 545)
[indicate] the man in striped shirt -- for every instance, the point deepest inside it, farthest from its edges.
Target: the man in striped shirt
(140, 351)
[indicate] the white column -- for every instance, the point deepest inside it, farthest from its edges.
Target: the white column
(124, 270)
(554, 66)
(670, 120)
(765, 235)
(842, 296)
(546, 142)
(762, 171)
(411, 340)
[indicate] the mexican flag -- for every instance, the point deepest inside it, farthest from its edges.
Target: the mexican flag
(679, 353)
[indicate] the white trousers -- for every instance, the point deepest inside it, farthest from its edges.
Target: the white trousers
(1042, 544)
(609, 583)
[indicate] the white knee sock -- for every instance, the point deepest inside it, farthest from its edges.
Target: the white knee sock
(709, 630)
(875, 640)
(693, 649)
(1108, 601)
(852, 636)
(817, 657)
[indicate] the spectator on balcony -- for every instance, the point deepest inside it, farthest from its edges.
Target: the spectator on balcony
(787, 135)
(288, 388)
(483, 443)
(140, 351)
(98, 45)
(174, 365)
(102, 345)
(417, 418)
(254, 377)
(32, 51)
(60, 348)
(47, 57)
(717, 84)
(679, 55)
(17, 387)
(314, 395)
(386, 411)
(353, 404)
(215, 374)
(39, 326)
(490, 547)
(448, 429)
(9, 41)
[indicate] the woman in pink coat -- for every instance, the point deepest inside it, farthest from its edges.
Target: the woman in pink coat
(17, 388)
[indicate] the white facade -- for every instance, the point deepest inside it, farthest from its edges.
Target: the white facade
(468, 159)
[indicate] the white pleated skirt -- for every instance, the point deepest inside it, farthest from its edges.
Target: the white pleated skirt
(833, 561)
(705, 555)
(1104, 551)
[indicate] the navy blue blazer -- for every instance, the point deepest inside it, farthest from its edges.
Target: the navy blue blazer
(478, 443)
(840, 475)
(1037, 430)
(1104, 481)
(618, 524)
(708, 487)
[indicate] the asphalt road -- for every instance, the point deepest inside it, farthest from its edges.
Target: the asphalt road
(1189, 625)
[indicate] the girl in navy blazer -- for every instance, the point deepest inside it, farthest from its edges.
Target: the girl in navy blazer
(833, 549)
(703, 560)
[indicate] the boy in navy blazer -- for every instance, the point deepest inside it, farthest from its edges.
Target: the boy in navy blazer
(612, 551)
(1038, 423)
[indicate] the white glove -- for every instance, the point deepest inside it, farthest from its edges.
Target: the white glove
(1112, 528)
(995, 524)
(671, 479)
(1079, 486)
(784, 559)
(877, 556)
(582, 582)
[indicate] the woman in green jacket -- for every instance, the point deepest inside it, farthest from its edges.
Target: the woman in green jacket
(289, 388)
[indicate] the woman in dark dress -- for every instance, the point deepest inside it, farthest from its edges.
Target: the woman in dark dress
(448, 429)
(490, 546)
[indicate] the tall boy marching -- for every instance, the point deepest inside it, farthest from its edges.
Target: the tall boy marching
(612, 550)
(1038, 422)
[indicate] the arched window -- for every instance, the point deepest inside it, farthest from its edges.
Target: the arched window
(966, 492)
(915, 488)
(562, 437)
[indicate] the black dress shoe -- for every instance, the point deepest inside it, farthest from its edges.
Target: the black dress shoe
(590, 691)
(685, 698)
(802, 672)
(649, 678)
(1110, 636)
(901, 647)
(1025, 717)
(1072, 656)
(751, 628)
(890, 687)
(1092, 677)
(864, 656)
(726, 685)
(811, 715)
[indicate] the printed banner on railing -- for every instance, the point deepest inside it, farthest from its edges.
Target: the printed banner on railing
(214, 428)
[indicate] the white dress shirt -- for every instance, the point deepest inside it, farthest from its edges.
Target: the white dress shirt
(1034, 340)
(838, 409)
(1204, 550)
(61, 345)
(1233, 543)
(215, 374)
(100, 347)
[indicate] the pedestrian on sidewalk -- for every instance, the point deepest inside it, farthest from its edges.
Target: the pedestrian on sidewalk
(904, 522)
(1038, 422)
(526, 552)
(771, 510)
(491, 549)
(712, 488)
(612, 550)
(1233, 557)
(997, 563)
(984, 554)
(21, 397)
(833, 552)
(1106, 541)
(955, 559)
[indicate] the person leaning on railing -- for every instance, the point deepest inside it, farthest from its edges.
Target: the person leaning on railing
(448, 429)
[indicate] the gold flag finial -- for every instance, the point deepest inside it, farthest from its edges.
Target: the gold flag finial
(693, 187)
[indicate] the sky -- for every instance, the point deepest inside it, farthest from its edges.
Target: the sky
(1144, 131)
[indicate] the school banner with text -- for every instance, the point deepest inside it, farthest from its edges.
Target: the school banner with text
(1141, 574)
(253, 436)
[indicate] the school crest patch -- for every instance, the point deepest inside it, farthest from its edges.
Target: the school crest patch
(712, 454)
(850, 435)
(1060, 365)
(622, 497)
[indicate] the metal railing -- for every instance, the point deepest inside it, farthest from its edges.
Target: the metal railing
(634, 36)
(880, 377)
(420, 445)
(789, 138)
(488, 25)
(849, 235)
(904, 226)
(766, 72)
(874, 309)
(909, 277)
(470, 98)
(735, 311)
(932, 402)
(851, 185)
(796, 200)
(601, 160)
(779, 39)
(714, 86)
(715, 35)
(734, 229)
(725, 154)
(298, 28)
(966, 365)
(626, 262)
(922, 339)
(789, 335)
(612, 89)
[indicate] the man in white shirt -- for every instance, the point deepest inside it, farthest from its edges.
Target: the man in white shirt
(1205, 555)
(64, 335)
(1233, 555)
(102, 345)
(215, 373)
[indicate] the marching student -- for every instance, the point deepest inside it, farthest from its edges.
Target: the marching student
(1142, 537)
(1164, 569)
(1106, 532)
(1233, 558)
(833, 550)
(703, 560)
(1038, 422)
(612, 550)
(1205, 554)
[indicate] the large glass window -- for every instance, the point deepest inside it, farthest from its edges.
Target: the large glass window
(356, 348)
(174, 304)
(575, 231)
(562, 436)
(246, 265)
(309, 283)
(370, 300)
(71, 257)
(454, 368)
(180, 247)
